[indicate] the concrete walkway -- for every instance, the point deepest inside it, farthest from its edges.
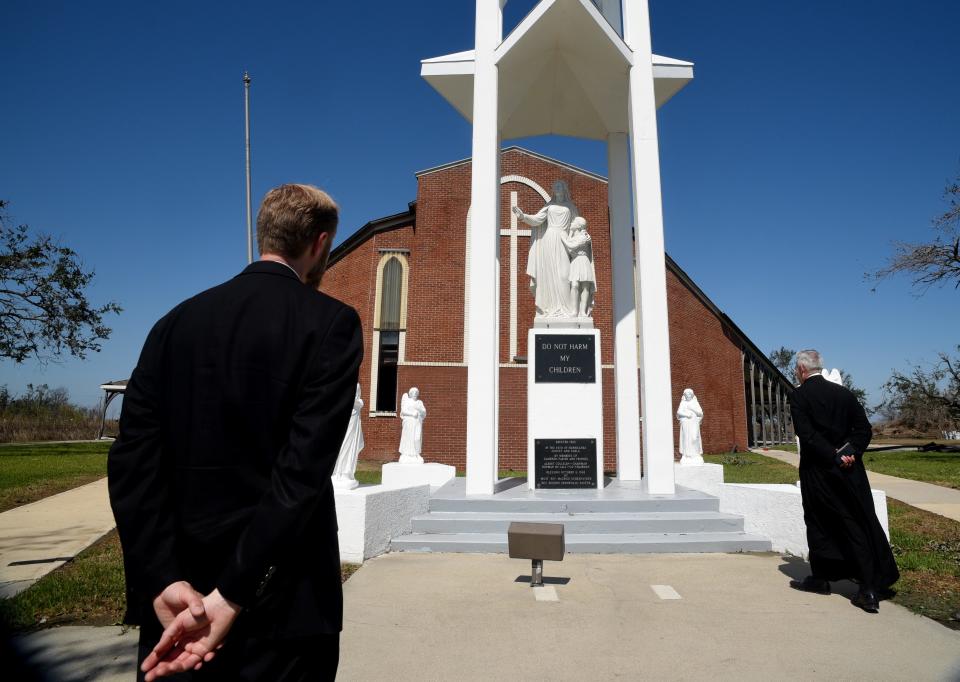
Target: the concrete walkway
(932, 498)
(37, 538)
(669, 617)
(75, 653)
(639, 617)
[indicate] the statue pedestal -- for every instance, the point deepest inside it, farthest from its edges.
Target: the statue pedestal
(564, 408)
(401, 475)
(563, 323)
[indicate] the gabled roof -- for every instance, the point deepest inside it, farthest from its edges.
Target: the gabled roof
(390, 222)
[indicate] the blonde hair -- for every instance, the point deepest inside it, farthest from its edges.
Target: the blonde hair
(291, 216)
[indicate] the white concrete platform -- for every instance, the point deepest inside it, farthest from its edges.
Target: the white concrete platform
(620, 518)
(771, 510)
(399, 475)
(370, 516)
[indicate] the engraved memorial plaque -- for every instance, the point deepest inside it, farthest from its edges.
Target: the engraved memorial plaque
(564, 358)
(566, 462)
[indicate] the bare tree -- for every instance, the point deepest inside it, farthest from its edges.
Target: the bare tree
(44, 311)
(932, 263)
(925, 400)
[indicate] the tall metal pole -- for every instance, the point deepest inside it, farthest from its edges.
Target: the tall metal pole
(246, 113)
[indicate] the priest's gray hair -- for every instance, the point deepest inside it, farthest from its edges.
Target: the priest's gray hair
(809, 360)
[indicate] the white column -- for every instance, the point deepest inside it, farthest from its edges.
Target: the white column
(514, 233)
(624, 308)
(655, 387)
(483, 370)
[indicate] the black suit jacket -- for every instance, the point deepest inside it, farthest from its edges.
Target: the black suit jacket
(825, 416)
(230, 429)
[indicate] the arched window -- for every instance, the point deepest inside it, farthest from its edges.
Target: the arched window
(390, 294)
(389, 330)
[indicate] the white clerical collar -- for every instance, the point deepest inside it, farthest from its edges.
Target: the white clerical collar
(280, 262)
(812, 374)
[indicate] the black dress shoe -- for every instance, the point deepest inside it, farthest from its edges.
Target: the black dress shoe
(811, 584)
(866, 600)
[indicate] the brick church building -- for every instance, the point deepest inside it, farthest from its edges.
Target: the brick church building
(405, 276)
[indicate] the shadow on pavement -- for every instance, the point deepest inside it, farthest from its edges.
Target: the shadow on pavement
(72, 654)
(546, 580)
(796, 568)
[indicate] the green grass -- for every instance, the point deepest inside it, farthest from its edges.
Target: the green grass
(749, 467)
(792, 447)
(940, 468)
(927, 549)
(890, 440)
(88, 590)
(30, 472)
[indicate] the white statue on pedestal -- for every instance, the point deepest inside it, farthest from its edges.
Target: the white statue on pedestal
(548, 264)
(346, 467)
(412, 413)
(690, 414)
(583, 278)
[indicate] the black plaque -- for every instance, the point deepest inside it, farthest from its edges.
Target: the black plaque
(565, 359)
(565, 462)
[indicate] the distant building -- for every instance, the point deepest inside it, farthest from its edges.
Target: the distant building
(405, 276)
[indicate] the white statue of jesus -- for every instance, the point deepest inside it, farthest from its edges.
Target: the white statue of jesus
(548, 265)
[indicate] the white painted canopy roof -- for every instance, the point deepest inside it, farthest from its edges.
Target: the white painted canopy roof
(562, 71)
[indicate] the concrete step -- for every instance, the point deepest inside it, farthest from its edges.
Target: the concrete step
(513, 496)
(543, 503)
(615, 522)
(589, 543)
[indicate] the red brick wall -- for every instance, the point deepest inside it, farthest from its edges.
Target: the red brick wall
(353, 281)
(437, 268)
(702, 356)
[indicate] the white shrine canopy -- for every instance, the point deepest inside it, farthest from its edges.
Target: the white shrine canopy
(562, 71)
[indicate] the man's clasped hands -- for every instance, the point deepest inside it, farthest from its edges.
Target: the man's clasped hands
(194, 629)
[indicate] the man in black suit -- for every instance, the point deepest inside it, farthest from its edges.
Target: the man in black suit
(220, 476)
(845, 538)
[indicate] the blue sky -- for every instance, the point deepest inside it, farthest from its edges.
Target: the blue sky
(813, 135)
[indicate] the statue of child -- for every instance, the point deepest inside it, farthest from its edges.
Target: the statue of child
(583, 278)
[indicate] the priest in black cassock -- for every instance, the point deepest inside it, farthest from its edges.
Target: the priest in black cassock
(845, 537)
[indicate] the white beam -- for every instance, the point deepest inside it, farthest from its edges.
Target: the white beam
(483, 369)
(624, 309)
(655, 387)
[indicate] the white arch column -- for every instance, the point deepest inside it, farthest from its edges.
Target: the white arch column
(655, 388)
(624, 308)
(483, 283)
